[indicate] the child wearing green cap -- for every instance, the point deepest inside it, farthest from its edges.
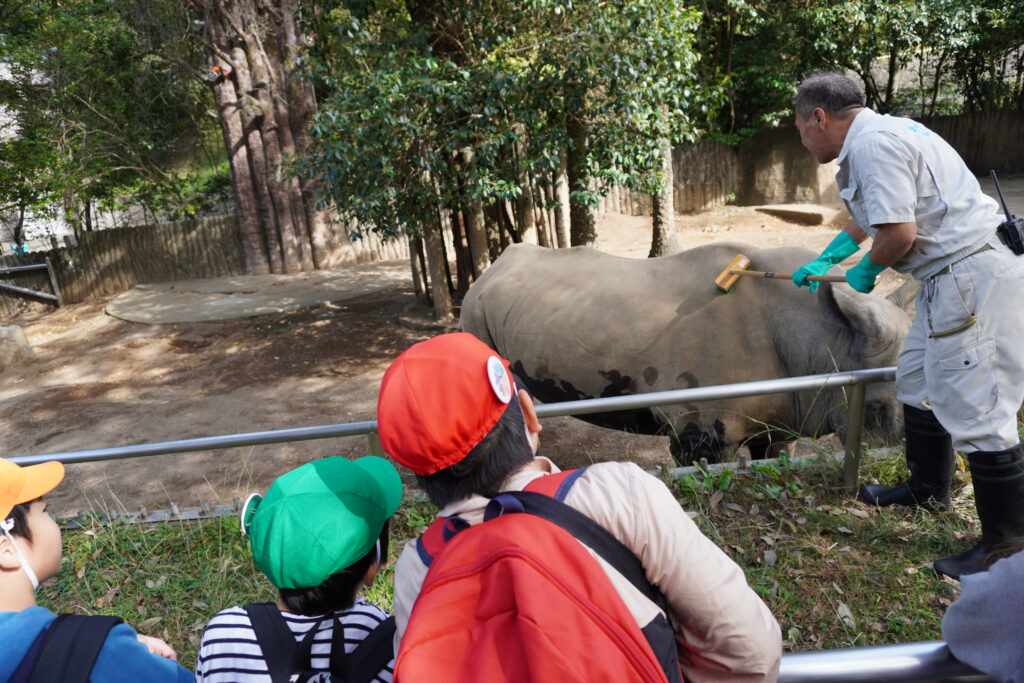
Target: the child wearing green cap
(319, 534)
(33, 636)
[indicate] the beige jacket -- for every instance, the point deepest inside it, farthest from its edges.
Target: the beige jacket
(726, 632)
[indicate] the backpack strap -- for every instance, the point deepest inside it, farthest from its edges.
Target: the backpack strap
(585, 530)
(276, 640)
(556, 485)
(28, 661)
(302, 658)
(373, 653)
(430, 544)
(659, 633)
(71, 647)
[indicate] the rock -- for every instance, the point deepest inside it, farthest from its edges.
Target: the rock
(809, 214)
(14, 346)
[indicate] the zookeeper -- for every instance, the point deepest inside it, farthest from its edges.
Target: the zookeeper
(960, 374)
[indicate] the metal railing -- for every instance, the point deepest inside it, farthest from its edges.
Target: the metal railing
(856, 379)
(48, 267)
(919, 662)
(929, 662)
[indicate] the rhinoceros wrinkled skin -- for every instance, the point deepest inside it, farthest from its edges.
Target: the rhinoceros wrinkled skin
(578, 323)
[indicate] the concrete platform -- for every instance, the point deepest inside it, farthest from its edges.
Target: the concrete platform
(810, 214)
(245, 296)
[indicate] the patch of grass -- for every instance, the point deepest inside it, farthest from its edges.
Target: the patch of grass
(835, 573)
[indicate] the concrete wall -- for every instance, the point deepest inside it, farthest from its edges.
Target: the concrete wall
(774, 168)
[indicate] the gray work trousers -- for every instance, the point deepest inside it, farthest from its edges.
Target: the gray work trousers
(970, 374)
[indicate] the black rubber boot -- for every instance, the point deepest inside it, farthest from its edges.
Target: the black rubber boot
(931, 461)
(998, 478)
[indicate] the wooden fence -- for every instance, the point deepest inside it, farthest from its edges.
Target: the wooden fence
(774, 168)
(107, 262)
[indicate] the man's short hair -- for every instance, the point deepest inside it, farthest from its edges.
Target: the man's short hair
(833, 91)
(502, 451)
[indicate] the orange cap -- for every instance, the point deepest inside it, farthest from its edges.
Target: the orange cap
(439, 399)
(23, 484)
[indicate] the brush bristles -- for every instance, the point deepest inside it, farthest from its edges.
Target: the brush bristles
(728, 278)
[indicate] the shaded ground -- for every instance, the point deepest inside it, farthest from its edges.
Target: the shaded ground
(99, 382)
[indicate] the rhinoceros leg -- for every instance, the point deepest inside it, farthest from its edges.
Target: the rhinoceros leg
(691, 444)
(764, 448)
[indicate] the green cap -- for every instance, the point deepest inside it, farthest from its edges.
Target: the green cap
(320, 518)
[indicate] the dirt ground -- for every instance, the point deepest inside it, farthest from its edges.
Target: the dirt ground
(98, 382)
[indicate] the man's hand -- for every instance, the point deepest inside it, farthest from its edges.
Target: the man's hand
(158, 647)
(838, 249)
(862, 276)
(818, 266)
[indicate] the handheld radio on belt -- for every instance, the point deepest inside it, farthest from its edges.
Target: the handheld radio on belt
(1012, 229)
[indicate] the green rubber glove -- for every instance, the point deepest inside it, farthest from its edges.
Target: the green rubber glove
(862, 276)
(838, 249)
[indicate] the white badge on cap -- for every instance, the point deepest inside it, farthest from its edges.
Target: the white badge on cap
(501, 383)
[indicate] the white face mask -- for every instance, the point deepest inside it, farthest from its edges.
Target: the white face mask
(7, 525)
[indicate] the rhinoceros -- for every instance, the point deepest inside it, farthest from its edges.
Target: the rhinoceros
(579, 323)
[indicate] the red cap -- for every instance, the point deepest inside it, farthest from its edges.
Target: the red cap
(439, 399)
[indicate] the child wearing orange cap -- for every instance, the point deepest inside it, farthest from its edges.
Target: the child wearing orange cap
(30, 553)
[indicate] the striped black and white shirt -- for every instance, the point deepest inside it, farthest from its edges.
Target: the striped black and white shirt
(229, 653)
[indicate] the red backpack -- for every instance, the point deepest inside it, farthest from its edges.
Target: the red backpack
(517, 598)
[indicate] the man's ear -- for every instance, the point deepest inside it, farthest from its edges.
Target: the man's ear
(533, 425)
(820, 117)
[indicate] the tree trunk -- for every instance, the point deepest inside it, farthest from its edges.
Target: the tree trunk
(473, 213)
(525, 217)
(582, 231)
(247, 211)
(494, 233)
(663, 241)
(265, 110)
(434, 243)
(562, 219)
(463, 260)
(419, 271)
(543, 238)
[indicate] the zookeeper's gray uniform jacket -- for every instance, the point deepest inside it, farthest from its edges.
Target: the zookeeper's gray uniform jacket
(963, 357)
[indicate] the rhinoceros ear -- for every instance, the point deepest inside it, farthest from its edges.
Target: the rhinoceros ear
(880, 324)
(905, 295)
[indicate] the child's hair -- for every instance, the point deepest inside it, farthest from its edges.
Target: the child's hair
(19, 514)
(338, 592)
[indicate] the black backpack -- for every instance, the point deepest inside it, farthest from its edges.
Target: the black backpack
(66, 651)
(290, 661)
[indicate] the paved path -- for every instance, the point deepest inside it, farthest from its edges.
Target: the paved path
(244, 296)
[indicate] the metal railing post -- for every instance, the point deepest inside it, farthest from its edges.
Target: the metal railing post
(854, 433)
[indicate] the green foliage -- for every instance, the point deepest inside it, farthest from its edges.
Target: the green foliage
(100, 102)
(410, 96)
(965, 55)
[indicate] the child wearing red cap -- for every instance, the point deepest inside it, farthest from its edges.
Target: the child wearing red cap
(30, 553)
(449, 410)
